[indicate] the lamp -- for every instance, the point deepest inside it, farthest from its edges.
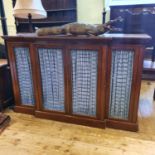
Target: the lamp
(29, 9)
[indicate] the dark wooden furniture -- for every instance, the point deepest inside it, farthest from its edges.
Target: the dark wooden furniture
(91, 81)
(2, 51)
(139, 19)
(5, 85)
(59, 12)
(6, 93)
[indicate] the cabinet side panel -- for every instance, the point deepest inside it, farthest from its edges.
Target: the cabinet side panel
(84, 81)
(24, 74)
(120, 84)
(52, 76)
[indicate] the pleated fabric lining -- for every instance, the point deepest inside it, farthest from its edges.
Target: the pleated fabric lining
(24, 74)
(52, 75)
(84, 81)
(121, 80)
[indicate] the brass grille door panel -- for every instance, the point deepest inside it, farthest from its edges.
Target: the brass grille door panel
(120, 85)
(84, 81)
(52, 76)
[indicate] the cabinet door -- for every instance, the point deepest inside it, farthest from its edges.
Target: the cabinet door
(86, 68)
(21, 71)
(51, 75)
(123, 67)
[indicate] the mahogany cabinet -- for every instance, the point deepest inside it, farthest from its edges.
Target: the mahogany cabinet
(92, 81)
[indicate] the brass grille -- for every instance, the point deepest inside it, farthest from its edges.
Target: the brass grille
(52, 75)
(24, 74)
(84, 81)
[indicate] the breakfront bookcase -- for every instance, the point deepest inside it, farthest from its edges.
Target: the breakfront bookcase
(86, 80)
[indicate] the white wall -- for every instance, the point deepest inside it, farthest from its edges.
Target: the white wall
(90, 11)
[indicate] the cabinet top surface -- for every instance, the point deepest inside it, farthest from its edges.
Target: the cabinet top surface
(103, 37)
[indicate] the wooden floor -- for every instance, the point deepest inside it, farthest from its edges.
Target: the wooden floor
(28, 135)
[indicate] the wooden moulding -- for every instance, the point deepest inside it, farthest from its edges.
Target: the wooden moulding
(129, 126)
(25, 109)
(116, 124)
(71, 119)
